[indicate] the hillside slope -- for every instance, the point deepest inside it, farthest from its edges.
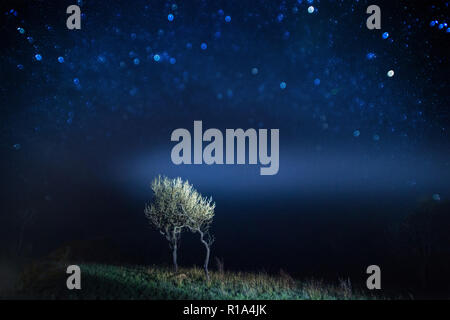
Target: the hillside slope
(101, 281)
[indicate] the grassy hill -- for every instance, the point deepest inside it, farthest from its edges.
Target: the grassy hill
(101, 281)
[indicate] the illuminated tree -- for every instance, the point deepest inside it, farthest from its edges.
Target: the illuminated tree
(177, 206)
(199, 213)
(164, 212)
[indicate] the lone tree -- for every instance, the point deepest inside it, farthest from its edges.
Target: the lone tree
(164, 212)
(177, 206)
(199, 213)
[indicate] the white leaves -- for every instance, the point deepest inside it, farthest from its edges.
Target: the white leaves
(177, 205)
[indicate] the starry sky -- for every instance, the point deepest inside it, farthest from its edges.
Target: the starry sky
(86, 115)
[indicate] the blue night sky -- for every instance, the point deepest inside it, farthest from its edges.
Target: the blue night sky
(86, 115)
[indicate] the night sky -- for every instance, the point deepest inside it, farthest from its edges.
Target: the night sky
(86, 118)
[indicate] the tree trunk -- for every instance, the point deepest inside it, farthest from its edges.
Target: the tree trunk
(174, 257)
(207, 262)
(205, 266)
